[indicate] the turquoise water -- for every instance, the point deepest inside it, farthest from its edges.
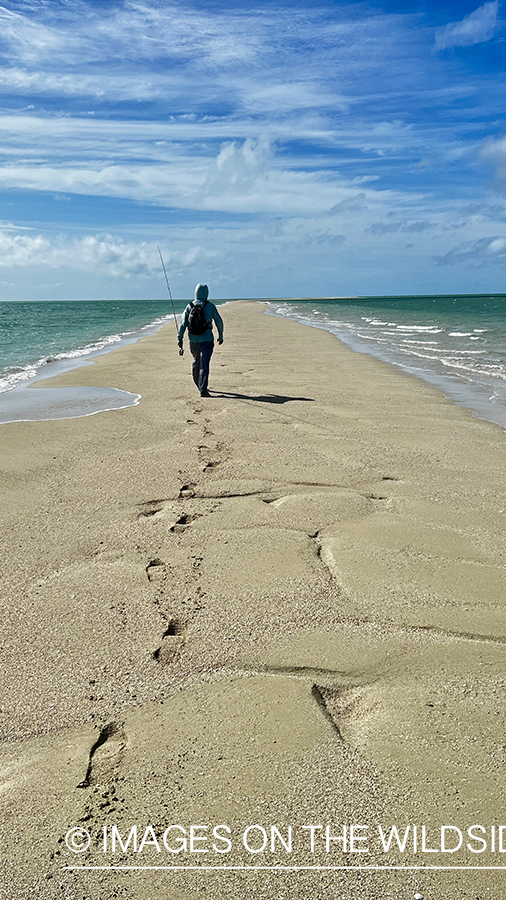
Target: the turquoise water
(43, 338)
(34, 334)
(456, 342)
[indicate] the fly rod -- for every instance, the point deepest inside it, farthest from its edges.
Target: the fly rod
(181, 351)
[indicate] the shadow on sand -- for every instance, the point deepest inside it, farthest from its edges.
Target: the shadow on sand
(262, 398)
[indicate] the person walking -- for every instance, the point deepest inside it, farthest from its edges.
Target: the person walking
(198, 318)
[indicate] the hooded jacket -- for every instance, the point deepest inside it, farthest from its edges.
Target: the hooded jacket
(212, 315)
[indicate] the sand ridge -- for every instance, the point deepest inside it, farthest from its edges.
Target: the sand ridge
(281, 605)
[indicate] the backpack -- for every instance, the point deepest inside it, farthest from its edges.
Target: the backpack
(197, 322)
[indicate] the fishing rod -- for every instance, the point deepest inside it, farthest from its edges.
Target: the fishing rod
(181, 351)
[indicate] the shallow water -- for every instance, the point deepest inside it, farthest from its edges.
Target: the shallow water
(35, 334)
(456, 342)
(41, 339)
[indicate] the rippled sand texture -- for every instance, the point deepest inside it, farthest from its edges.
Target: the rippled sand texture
(283, 605)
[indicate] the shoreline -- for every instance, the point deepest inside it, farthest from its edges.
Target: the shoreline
(468, 395)
(281, 605)
(18, 394)
(49, 404)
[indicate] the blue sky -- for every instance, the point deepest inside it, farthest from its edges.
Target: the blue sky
(270, 148)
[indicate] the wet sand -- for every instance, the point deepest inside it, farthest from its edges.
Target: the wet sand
(280, 606)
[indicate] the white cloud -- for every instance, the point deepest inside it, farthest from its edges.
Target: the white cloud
(484, 251)
(20, 250)
(100, 254)
(272, 122)
(495, 152)
(477, 27)
(130, 30)
(175, 30)
(263, 60)
(271, 96)
(248, 177)
(39, 82)
(109, 139)
(28, 40)
(10, 226)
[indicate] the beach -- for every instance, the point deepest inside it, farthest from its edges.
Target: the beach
(277, 608)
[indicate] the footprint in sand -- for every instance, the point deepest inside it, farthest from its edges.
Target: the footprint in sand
(211, 465)
(105, 755)
(186, 491)
(150, 508)
(173, 640)
(155, 570)
(181, 524)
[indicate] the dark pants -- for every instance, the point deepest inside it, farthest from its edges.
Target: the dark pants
(201, 358)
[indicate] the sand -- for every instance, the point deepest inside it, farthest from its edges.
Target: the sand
(278, 607)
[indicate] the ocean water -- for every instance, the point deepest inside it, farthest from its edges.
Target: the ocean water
(457, 343)
(43, 338)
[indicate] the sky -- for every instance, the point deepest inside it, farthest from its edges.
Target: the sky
(270, 148)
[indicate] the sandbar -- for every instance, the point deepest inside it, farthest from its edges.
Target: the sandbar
(281, 607)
